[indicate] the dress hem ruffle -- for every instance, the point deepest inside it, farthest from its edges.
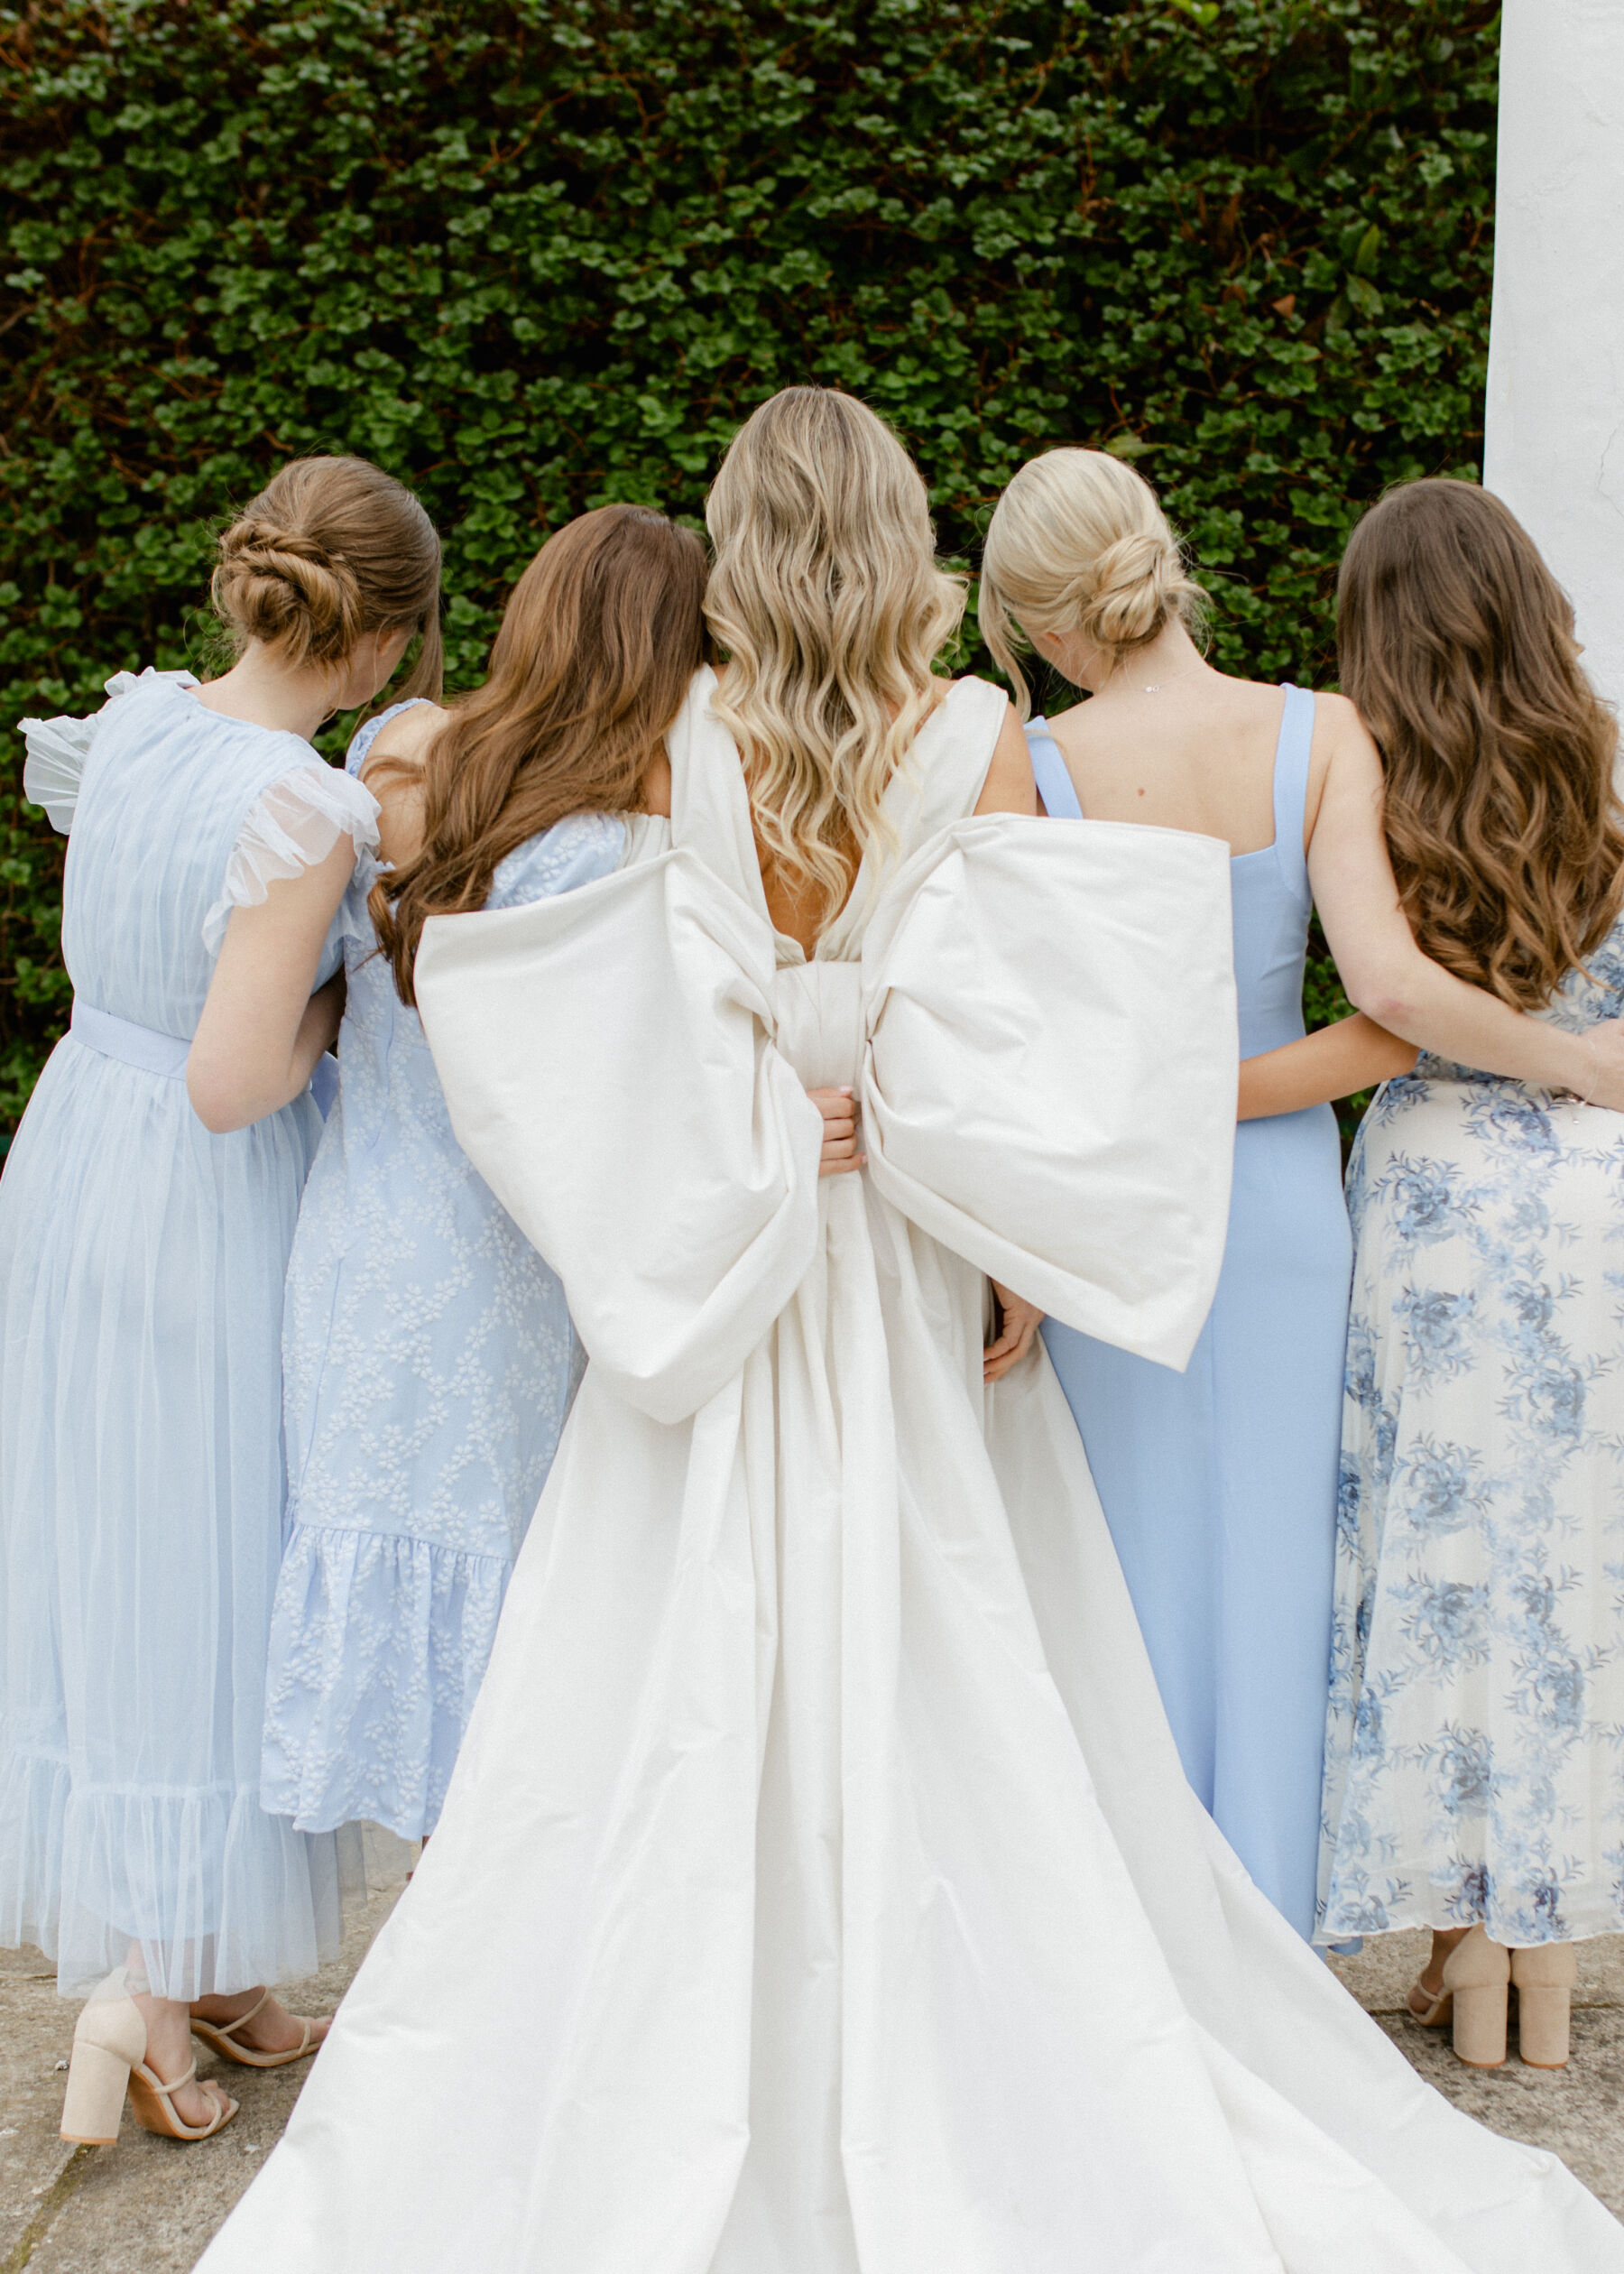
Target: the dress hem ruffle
(379, 1642)
(220, 1896)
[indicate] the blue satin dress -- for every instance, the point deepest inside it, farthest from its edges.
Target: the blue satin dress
(1219, 1484)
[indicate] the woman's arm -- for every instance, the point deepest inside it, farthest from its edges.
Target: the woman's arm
(1009, 787)
(1383, 972)
(1349, 1056)
(261, 1029)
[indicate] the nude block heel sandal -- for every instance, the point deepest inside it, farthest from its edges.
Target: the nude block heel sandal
(1477, 1974)
(221, 2037)
(108, 2039)
(1545, 1979)
(109, 2060)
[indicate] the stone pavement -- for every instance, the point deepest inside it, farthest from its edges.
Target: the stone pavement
(149, 2206)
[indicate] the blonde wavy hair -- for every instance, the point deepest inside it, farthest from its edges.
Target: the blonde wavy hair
(827, 601)
(1457, 644)
(1079, 543)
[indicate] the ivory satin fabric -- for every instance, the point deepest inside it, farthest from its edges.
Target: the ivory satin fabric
(818, 1891)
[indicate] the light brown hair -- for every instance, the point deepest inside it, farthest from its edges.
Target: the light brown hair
(1078, 543)
(600, 639)
(829, 605)
(1457, 644)
(332, 548)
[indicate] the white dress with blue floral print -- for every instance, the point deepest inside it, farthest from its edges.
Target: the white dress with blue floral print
(1475, 1753)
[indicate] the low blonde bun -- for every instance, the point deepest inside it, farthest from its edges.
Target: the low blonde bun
(1078, 543)
(332, 548)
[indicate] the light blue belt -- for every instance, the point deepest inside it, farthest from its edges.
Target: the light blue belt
(143, 1046)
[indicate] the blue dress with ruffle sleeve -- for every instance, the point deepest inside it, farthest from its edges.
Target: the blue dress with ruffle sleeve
(141, 1261)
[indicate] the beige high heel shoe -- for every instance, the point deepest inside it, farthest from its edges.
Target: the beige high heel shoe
(1477, 1978)
(220, 2037)
(109, 2059)
(1545, 1979)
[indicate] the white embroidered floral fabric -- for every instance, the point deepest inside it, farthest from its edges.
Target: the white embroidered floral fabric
(1475, 1762)
(429, 1364)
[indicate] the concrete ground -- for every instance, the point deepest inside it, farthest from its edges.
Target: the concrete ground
(149, 2206)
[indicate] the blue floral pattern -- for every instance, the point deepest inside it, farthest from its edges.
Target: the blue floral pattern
(1474, 1762)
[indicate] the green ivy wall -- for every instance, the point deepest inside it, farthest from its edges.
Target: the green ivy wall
(535, 256)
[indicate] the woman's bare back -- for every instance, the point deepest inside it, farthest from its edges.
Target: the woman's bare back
(1198, 753)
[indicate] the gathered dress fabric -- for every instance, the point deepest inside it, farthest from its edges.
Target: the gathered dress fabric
(1219, 1484)
(429, 1364)
(140, 1299)
(1473, 1763)
(817, 1889)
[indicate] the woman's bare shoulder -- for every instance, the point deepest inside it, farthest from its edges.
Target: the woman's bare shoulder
(1339, 731)
(1009, 787)
(406, 737)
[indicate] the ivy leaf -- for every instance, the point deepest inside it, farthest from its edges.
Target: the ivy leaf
(531, 254)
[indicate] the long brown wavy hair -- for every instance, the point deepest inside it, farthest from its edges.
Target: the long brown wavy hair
(1457, 644)
(600, 639)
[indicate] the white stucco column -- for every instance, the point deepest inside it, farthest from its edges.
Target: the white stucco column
(1555, 446)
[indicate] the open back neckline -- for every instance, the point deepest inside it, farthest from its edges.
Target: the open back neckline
(1294, 743)
(901, 776)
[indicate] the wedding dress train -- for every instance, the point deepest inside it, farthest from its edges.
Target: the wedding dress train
(818, 1891)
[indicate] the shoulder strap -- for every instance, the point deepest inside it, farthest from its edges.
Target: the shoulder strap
(1055, 786)
(366, 733)
(1292, 753)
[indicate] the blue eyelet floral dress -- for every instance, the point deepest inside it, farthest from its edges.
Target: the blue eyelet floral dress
(429, 1364)
(141, 1294)
(1475, 1753)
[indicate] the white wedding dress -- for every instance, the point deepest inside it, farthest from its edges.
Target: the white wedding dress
(818, 1891)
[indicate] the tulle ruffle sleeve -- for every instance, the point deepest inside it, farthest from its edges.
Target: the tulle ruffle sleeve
(289, 827)
(58, 748)
(1050, 1078)
(608, 1061)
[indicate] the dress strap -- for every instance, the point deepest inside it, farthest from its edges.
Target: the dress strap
(1055, 787)
(366, 733)
(1292, 753)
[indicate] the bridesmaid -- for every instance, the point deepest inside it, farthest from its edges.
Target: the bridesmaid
(143, 1239)
(1219, 1483)
(428, 1357)
(1473, 1777)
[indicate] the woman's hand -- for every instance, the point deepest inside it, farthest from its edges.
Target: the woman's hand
(1018, 1323)
(840, 1155)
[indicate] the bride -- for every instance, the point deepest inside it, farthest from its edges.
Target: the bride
(818, 1891)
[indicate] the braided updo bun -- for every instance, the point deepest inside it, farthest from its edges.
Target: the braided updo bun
(331, 548)
(1079, 544)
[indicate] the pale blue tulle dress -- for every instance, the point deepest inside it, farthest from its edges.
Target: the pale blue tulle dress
(1219, 1484)
(430, 1363)
(141, 1294)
